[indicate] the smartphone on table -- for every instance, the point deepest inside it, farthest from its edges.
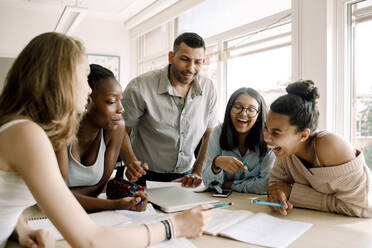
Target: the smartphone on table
(225, 193)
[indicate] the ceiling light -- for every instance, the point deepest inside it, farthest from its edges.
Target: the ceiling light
(70, 19)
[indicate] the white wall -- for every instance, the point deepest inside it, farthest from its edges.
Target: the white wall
(5, 64)
(18, 26)
(106, 37)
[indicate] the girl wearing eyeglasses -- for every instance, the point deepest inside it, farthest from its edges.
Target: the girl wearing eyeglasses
(238, 157)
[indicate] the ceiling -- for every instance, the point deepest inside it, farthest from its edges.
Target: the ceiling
(117, 10)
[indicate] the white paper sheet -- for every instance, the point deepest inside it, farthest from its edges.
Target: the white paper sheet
(223, 218)
(105, 218)
(134, 214)
(266, 230)
(108, 218)
(178, 242)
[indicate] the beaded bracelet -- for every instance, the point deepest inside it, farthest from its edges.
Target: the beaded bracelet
(168, 230)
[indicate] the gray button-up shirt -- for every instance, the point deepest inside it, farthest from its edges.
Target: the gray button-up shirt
(165, 127)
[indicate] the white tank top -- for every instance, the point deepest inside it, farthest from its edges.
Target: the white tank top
(81, 175)
(14, 197)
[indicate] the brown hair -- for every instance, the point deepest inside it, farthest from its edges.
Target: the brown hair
(40, 86)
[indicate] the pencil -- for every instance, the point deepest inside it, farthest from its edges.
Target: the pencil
(267, 203)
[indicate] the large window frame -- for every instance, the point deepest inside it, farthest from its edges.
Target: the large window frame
(359, 16)
(353, 17)
(142, 59)
(343, 99)
(223, 52)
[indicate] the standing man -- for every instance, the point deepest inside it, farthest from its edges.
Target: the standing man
(167, 112)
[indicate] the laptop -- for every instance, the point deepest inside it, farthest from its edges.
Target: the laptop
(174, 199)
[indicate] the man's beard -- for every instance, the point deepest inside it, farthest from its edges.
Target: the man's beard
(178, 75)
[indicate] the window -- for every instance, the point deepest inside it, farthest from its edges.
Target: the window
(250, 48)
(262, 62)
(211, 62)
(246, 45)
(153, 49)
(213, 17)
(361, 83)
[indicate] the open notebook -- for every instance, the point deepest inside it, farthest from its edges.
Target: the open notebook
(105, 218)
(173, 199)
(118, 218)
(259, 229)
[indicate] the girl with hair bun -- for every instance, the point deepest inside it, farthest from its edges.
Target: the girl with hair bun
(314, 169)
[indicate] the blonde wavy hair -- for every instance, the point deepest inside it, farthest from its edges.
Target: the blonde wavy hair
(40, 86)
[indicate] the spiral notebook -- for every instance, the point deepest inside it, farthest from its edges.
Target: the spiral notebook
(105, 218)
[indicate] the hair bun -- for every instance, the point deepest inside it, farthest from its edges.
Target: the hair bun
(305, 89)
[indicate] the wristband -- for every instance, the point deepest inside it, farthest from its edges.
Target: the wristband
(214, 167)
(168, 231)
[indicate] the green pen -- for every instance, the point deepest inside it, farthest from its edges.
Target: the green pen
(245, 164)
(222, 205)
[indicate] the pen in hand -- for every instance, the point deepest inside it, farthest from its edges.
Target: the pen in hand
(222, 205)
(143, 164)
(266, 203)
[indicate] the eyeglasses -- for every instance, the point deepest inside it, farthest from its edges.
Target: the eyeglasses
(250, 111)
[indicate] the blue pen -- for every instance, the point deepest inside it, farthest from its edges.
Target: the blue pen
(141, 203)
(222, 205)
(267, 203)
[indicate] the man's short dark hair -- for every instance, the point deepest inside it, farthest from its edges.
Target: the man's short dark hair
(192, 40)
